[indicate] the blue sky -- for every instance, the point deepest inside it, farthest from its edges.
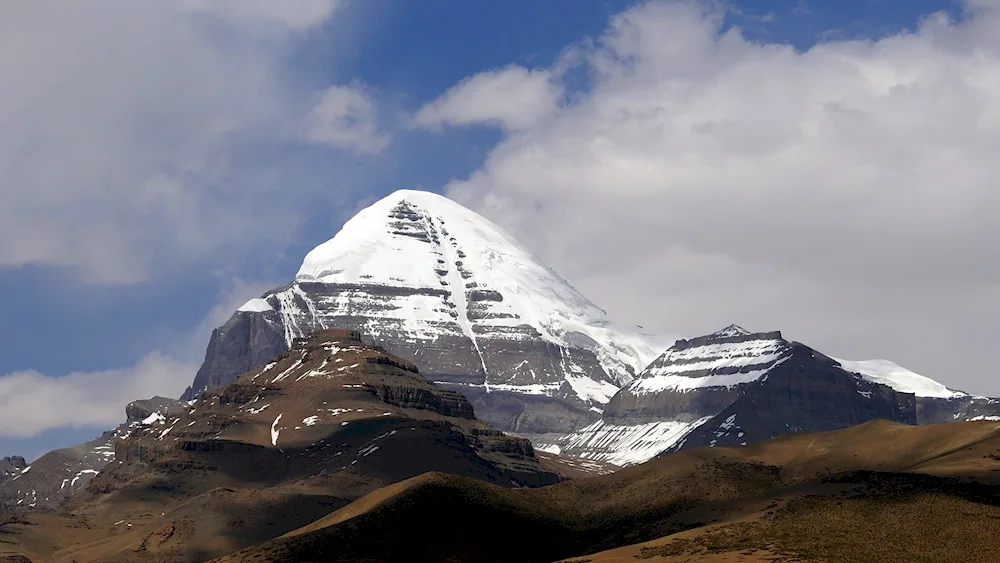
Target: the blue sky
(279, 194)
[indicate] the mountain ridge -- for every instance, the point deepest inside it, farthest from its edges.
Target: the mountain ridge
(734, 387)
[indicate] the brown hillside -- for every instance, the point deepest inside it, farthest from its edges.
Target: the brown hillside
(329, 421)
(820, 497)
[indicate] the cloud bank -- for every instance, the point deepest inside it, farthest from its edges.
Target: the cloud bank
(31, 402)
(128, 125)
(845, 194)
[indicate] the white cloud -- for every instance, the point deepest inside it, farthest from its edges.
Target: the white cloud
(299, 14)
(845, 194)
(31, 402)
(345, 117)
(126, 131)
(512, 97)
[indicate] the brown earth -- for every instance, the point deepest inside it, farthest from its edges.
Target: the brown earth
(328, 422)
(876, 492)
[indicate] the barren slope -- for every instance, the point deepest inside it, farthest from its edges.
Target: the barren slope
(763, 492)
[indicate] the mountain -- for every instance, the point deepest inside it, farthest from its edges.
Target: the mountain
(321, 425)
(734, 387)
(876, 492)
(935, 402)
(879, 491)
(432, 281)
(59, 474)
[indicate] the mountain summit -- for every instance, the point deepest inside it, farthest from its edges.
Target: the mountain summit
(433, 281)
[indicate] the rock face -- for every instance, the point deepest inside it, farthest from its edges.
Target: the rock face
(732, 387)
(59, 474)
(248, 340)
(328, 407)
(11, 466)
(432, 281)
(806, 392)
(935, 402)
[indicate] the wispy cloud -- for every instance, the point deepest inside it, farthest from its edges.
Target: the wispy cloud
(512, 97)
(346, 117)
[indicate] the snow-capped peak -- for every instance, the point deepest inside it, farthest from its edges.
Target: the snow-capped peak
(730, 331)
(899, 378)
(423, 241)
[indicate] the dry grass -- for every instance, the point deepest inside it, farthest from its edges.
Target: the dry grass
(885, 518)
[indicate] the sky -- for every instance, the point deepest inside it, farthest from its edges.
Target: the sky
(823, 168)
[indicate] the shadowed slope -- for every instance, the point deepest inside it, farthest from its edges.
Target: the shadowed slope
(689, 490)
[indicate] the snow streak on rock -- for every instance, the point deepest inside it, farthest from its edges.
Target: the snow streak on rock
(726, 358)
(622, 444)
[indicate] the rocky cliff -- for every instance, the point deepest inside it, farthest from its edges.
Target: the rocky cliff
(11, 466)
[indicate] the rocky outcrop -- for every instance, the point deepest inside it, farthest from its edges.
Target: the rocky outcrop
(11, 466)
(137, 411)
(698, 377)
(60, 474)
(329, 407)
(247, 341)
(53, 477)
(432, 281)
(448, 403)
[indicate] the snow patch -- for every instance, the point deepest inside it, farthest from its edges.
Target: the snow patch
(79, 475)
(590, 390)
(274, 430)
(155, 418)
(899, 378)
(256, 305)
